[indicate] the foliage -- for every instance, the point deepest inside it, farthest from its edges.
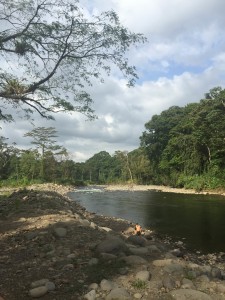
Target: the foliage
(139, 284)
(57, 53)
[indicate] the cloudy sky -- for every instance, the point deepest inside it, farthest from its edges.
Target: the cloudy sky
(184, 58)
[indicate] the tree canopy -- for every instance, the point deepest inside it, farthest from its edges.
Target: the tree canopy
(50, 52)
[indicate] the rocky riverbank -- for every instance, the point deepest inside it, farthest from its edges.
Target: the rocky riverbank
(52, 248)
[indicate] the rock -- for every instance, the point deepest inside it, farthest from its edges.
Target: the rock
(187, 284)
(137, 296)
(90, 295)
(60, 232)
(112, 245)
(162, 262)
(220, 288)
(143, 275)
(139, 251)
(216, 273)
(107, 285)
(154, 249)
(84, 222)
(183, 294)
(38, 292)
(38, 283)
(137, 240)
(118, 294)
(104, 229)
(93, 286)
(108, 256)
(134, 260)
(169, 283)
(93, 261)
(50, 286)
(174, 268)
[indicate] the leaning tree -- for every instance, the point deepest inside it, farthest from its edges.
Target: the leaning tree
(50, 51)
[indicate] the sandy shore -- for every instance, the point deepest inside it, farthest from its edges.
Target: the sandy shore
(161, 189)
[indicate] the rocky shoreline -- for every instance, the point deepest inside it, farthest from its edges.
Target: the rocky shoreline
(52, 248)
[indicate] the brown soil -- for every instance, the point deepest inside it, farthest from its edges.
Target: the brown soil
(30, 251)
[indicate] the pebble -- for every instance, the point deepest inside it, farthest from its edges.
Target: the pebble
(38, 291)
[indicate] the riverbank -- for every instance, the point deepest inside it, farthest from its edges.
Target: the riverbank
(53, 248)
(161, 188)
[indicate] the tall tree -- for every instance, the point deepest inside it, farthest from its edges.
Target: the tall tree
(43, 138)
(57, 51)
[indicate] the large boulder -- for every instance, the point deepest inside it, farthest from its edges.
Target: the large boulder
(186, 294)
(112, 245)
(137, 240)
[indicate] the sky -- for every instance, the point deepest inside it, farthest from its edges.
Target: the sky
(183, 59)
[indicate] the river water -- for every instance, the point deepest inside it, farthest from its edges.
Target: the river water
(197, 220)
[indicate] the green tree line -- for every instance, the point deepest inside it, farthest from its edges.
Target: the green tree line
(181, 147)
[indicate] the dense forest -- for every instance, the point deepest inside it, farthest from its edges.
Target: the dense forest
(181, 147)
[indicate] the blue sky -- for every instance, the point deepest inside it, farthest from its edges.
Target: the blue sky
(183, 59)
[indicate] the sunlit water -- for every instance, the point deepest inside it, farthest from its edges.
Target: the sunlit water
(198, 220)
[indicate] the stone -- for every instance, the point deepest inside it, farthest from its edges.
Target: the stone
(169, 283)
(136, 240)
(137, 296)
(139, 251)
(38, 292)
(90, 295)
(84, 222)
(162, 262)
(134, 260)
(112, 245)
(38, 283)
(93, 286)
(187, 284)
(107, 285)
(50, 286)
(118, 294)
(143, 275)
(60, 232)
(174, 268)
(104, 229)
(93, 261)
(184, 294)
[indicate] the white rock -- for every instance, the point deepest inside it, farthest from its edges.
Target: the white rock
(91, 295)
(143, 275)
(38, 291)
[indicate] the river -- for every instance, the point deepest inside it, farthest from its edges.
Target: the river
(197, 220)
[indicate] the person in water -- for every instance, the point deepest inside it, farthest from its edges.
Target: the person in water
(138, 229)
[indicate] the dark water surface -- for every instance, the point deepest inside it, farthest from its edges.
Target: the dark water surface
(198, 220)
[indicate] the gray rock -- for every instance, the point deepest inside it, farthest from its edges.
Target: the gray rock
(143, 275)
(38, 283)
(38, 292)
(174, 268)
(184, 294)
(220, 287)
(107, 285)
(108, 256)
(93, 261)
(60, 232)
(112, 245)
(216, 273)
(134, 260)
(118, 294)
(187, 284)
(90, 295)
(50, 286)
(169, 283)
(139, 251)
(137, 240)
(104, 229)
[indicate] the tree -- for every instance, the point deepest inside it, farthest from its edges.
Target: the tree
(43, 138)
(50, 52)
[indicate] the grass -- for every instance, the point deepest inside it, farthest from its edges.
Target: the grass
(139, 284)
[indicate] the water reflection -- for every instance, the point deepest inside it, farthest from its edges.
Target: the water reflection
(199, 219)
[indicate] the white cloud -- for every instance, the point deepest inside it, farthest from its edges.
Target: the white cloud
(184, 58)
